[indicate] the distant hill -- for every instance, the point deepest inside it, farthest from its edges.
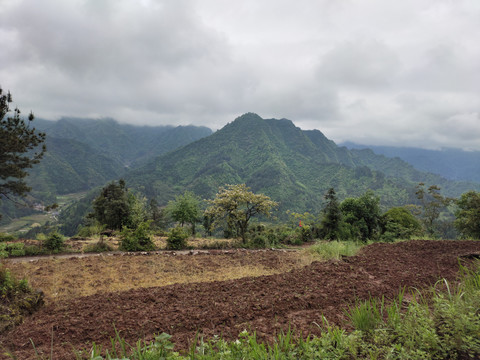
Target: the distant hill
(293, 166)
(71, 166)
(128, 144)
(85, 153)
(453, 164)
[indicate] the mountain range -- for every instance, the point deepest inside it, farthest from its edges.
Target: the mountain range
(294, 167)
(453, 164)
(85, 153)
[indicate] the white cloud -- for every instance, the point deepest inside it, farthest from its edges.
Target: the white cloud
(362, 70)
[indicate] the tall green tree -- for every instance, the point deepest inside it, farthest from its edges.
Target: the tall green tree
(468, 215)
(332, 216)
(112, 206)
(235, 205)
(432, 205)
(185, 209)
(363, 215)
(21, 146)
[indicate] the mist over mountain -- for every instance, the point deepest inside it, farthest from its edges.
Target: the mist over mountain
(128, 144)
(86, 153)
(453, 164)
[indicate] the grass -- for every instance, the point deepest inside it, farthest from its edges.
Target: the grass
(64, 278)
(326, 250)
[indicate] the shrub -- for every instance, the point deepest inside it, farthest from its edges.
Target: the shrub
(177, 238)
(18, 299)
(259, 241)
(138, 239)
(91, 230)
(32, 250)
(99, 246)
(6, 237)
(54, 242)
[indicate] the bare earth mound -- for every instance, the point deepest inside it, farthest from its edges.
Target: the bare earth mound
(266, 304)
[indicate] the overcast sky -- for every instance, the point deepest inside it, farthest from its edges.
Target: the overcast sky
(380, 72)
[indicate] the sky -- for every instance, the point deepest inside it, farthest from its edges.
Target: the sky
(378, 72)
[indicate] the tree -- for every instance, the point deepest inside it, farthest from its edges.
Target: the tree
(363, 215)
(112, 206)
(236, 205)
(18, 149)
(332, 216)
(433, 203)
(185, 209)
(156, 215)
(468, 215)
(399, 223)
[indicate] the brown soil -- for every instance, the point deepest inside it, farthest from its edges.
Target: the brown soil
(298, 298)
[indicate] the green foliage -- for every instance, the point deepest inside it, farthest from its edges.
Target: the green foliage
(235, 205)
(18, 149)
(185, 209)
(334, 249)
(12, 249)
(98, 247)
(399, 223)
(362, 216)
(112, 206)
(90, 230)
(468, 215)
(366, 315)
(332, 217)
(17, 300)
(138, 239)
(54, 242)
(433, 204)
(177, 238)
(33, 250)
(9, 286)
(6, 237)
(138, 212)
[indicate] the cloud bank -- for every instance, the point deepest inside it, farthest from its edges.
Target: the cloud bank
(375, 72)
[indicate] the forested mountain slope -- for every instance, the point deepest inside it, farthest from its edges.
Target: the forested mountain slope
(453, 164)
(293, 166)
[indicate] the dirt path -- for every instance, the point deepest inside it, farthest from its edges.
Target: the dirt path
(266, 304)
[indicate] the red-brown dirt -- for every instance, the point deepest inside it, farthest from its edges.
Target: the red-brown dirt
(266, 304)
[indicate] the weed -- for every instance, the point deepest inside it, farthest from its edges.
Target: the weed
(334, 249)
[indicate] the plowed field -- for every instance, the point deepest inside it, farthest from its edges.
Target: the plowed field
(298, 298)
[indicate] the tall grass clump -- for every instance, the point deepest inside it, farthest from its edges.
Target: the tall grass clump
(17, 299)
(327, 250)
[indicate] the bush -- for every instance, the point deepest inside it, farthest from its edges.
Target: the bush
(54, 242)
(16, 249)
(259, 241)
(138, 239)
(177, 238)
(99, 246)
(91, 230)
(33, 250)
(6, 237)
